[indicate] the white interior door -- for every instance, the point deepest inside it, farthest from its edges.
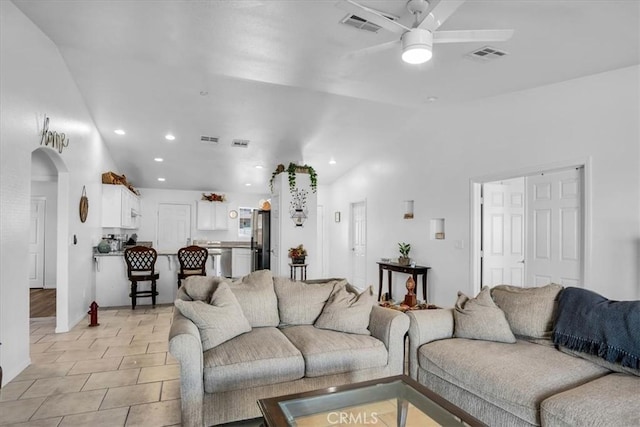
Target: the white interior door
(359, 244)
(36, 243)
(554, 241)
(320, 242)
(174, 226)
(503, 216)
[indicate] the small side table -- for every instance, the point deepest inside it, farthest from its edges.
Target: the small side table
(294, 269)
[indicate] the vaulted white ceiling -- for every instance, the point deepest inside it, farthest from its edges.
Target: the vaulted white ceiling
(279, 74)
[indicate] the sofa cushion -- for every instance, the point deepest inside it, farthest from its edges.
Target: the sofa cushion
(529, 311)
(218, 321)
(514, 377)
(261, 357)
(329, 352)
(347, 311)
(301, 303)
(257, 298)
(611, 400)
(600, 361)
(480, 319)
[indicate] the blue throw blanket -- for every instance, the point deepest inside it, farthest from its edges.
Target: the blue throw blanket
(590, 323)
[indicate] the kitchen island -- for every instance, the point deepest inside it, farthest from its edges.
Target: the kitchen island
(113, 286)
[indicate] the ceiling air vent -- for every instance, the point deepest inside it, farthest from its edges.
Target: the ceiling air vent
(487, 53)
(362, 24)
(243, 143)
(209, 140)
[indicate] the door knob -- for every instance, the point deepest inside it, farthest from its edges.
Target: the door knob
(521, 262)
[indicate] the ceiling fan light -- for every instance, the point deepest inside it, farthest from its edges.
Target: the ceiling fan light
(416, 46)
(416, 55)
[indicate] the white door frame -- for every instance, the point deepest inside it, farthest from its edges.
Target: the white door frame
(475, 224)
(351, 245)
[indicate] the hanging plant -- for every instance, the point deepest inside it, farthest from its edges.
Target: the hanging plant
(292, 170)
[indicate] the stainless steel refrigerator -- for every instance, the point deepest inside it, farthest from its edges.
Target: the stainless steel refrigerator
(260, 240)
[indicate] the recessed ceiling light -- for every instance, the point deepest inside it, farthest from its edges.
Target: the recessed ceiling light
(119, 132)
(332, 162)
(161, 179)
(248, 184)
(159, 159)
(170, 137)
(259, 166)
(432, 99)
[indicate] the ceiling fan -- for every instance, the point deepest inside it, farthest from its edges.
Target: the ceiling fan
(417, 41)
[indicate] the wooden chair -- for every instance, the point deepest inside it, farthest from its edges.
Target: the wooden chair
(141, 261)
(193, 262)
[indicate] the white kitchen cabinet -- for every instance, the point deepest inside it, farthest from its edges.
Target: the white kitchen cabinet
(120, 207)
(212, 215)
(240, 262)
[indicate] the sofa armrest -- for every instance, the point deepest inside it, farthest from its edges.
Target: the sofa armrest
(186, 346)
(426, 326)
(390, 327)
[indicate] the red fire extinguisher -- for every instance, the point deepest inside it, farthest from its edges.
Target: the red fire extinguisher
(93, 312)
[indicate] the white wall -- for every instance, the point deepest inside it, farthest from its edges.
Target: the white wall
(150, 199)
(35, 81)
(442, 147)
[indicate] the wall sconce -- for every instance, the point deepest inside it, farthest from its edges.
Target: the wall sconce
(408, 209)
(298, 216)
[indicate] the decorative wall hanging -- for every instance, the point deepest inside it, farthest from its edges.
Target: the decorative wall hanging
(298, 206)
(58, 141)
(84, 205)
(213, 197)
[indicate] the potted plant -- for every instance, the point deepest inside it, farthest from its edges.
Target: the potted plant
(297, 254)
(292, 170)
(404, 249)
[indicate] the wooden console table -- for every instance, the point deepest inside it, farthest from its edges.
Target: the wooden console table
(413, 271)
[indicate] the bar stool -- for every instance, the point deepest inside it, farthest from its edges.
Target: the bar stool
(193, 262)
(141, 262)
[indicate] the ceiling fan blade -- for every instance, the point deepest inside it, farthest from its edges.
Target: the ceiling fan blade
(466, 36)
(372, 15)
(372, 49)
(438, 12)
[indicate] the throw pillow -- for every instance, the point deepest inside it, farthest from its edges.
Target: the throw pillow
(200, 288)
(219, 321)
(301, 303)
(529, 311)
(480, 319)
(257, 298)
(347, 311)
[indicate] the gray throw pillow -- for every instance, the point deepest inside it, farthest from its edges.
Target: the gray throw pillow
(347, 311)
(480, 319)
(529, 311)
(219, 321)
(301, 303)
(199, 288)
(257, 298)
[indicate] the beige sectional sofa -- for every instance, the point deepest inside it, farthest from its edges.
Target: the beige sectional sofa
(524, 381)
(297, 337)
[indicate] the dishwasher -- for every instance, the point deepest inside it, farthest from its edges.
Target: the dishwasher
(221, 261)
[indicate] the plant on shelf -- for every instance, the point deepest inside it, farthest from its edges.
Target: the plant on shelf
(292, 170)
(404, 249)
(297, 254)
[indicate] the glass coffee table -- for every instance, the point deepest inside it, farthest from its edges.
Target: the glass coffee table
(392, 401)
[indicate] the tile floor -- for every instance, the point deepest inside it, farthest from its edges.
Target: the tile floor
(117, 374)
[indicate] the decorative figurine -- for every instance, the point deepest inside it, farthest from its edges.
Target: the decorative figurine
(410, 298)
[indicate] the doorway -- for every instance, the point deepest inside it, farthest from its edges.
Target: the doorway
(50, 178)
(358, 240)
(531, 229)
